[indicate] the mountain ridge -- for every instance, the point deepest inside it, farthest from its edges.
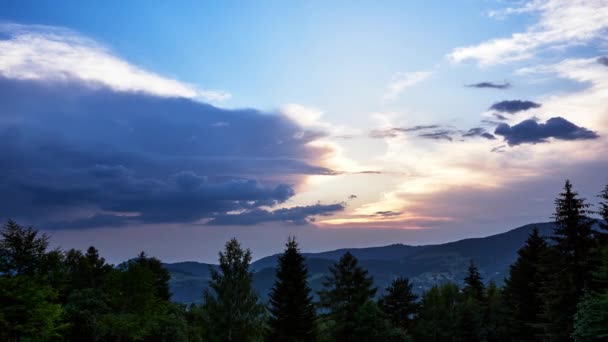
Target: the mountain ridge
(425, 265)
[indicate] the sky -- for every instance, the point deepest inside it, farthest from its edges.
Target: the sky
(172, 127)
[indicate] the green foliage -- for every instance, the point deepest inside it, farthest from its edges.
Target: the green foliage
(292, 312)
(370, 324)
(438, 314)
(346, 290)
(232, 307)
(23, 250)
(495, 327)
(86, 310)
(399, 303)
(29, 309)
(591, 318)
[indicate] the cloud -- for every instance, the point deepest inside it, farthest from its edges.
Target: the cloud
(514, 106)
(499, 116)
(387, 213)
(603, 60)
(504, 85)
(478, 132)
(443, 134)
(86, 156)
(50, 53)
(531, 132)
(561, 23)
(498, 149)
(404, 80)
(297, 215)
(432, 132)
(396, 131)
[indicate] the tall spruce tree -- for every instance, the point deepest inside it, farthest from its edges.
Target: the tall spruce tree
(522, 289)
(571, 265)
(232, 307)
(291, 308)
(471, 310)
(399, 303)
(346, 290)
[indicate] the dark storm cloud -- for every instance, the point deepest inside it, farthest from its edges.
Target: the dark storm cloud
(296, 215)
(603, 60)
(88, 156)
(504, 85)
(531, 132)
(514, 106)
(478, 132)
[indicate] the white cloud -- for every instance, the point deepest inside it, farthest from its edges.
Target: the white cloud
(404, 80)
(43, 52)
(586, 106)
(561, 23)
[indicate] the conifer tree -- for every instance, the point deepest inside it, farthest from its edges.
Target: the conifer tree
(291, 308)
(232, 307)
(438, 314)
(496, 315)
(399, 303)
(523, 288)
(570, 269)
(471, 310)
(346, 290)
(473, 283)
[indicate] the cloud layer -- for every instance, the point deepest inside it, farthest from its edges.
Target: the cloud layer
(561, 23)
(49, 53)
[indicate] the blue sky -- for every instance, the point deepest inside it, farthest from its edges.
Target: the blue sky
(311, 103)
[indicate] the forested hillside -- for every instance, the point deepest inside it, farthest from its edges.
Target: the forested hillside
(556, 289)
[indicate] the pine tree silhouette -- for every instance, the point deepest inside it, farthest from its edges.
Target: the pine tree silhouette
(292, 312)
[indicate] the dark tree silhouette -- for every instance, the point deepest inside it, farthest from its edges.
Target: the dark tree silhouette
(570, 267)
(346, 290)
(473, 283)
(291, 308)
(523, 288)
(232, 307)
(399, 303)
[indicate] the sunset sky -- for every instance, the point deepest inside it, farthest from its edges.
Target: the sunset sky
(171, 127)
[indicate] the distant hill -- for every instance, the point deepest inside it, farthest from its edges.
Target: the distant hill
(425, 265)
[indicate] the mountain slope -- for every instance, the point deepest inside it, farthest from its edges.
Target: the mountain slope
(425, 265)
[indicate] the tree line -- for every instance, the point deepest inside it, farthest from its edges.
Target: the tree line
(557, 290)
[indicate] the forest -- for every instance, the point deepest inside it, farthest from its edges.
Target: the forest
(557, 290)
